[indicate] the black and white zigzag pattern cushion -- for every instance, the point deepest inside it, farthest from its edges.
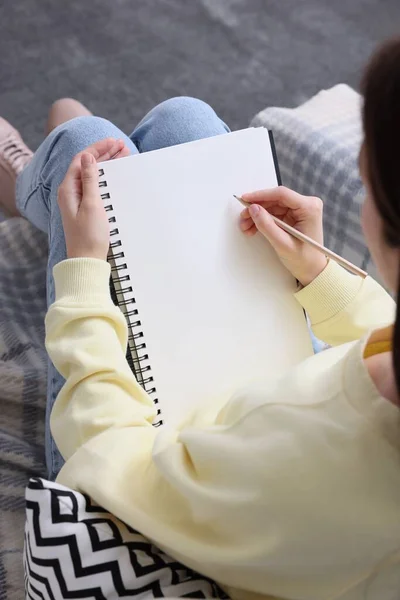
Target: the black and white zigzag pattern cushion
(74, 549)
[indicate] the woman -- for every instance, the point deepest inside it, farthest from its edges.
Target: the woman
(291, 491)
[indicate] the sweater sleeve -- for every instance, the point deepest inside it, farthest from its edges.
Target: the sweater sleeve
(86, 338)
(343, 307)
(241, 492)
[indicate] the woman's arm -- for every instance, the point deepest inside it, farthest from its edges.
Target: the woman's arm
(342, 307)
(86, 338)
(243, 492)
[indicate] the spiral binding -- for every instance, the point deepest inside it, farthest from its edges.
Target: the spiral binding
(137, 357)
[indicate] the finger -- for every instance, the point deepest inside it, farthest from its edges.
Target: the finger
(105, 149)
(277, 210)
(251, 231)
(281, 212)
(68, 192)
(111, 151)
(100, 148)
(120, 150)
(69, 196)
(265, 224)
(98, 151)
(246, 224)
(123, 153)
(67, 201)
(280, 195)
(90, 179)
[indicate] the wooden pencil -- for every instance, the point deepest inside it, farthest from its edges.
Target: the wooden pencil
(304, 238)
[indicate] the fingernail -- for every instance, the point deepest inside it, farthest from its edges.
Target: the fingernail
(254, 209)
(86, 159)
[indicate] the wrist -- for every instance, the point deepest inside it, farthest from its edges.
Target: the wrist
(307, 277)
(88, 251)
(90, 255)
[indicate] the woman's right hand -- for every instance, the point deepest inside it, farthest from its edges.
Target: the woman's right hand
(302, 212)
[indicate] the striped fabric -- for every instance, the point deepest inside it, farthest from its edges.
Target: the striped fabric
(75, 549)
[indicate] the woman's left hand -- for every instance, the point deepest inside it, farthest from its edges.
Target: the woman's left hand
(84, 219)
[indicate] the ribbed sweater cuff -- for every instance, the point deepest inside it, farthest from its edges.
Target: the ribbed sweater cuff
(82, 280)
(329, 293)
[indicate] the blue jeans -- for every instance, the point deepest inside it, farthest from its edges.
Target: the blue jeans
(172, 122)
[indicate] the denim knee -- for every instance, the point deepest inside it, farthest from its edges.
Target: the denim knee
(69, 138)
(176, 121)
(191, 113)
(79, 133)
(186, 106)
(37, 185)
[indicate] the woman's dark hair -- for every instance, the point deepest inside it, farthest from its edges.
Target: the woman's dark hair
(381, 120)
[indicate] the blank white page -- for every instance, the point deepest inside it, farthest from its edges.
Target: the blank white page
(216, 308)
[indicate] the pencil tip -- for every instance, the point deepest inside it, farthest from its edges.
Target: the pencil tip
(237, 197)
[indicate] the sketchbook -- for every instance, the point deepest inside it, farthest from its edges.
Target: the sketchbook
(209, 310)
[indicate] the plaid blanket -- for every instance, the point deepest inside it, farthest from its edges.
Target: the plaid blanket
(317, 146)
(23, 257)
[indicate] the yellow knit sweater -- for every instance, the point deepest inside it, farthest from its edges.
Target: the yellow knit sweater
(291, 490)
